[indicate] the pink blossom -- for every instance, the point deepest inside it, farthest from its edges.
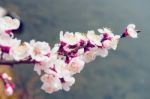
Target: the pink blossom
(39, 50)
(52, 85)
(75, 65)
(89, 56)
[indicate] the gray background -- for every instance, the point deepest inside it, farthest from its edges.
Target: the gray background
(124, 74)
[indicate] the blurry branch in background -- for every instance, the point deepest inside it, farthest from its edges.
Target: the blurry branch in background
(6, 91)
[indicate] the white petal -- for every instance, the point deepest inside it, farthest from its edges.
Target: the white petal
(102, 52)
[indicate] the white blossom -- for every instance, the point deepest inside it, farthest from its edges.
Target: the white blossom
(89, 55)
(20, 52)
(75, 65)
(69, 81)
(50, 83)
(39, 51)
(94, 39)
(103, 52)
(106, 31)
(8, 24)
(69, 38)
(131, 31)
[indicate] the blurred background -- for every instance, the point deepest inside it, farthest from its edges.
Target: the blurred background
(124, 74)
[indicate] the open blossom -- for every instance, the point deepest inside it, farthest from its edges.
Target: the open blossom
(131, 31)
(68, 82)
(8, 24)
(75, 65)
(89, 56)
(47, 78)
(115, 41)
(50, 83)
(20, 52)
(68, 38)
(6, 42)
(81, 36)
(58, 68)
(42, 66)
(94, 39)
(39, 51)
(111, 43)
(106, 32)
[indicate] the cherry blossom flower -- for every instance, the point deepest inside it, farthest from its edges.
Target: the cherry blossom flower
(81, 36)
(68, 38)
(7, 41)
(42, 66)
(131, 31)
(20, 52)
(89, 55)
(8, 24)
(75, 65)
(39, 51)
(115, 41)
(103, 52)
(111, 43)
(68, 82)
(106, 32)
(50, 83)
(93, 38)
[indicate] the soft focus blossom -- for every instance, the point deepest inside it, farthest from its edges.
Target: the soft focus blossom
(47, 78)
(115, 41)
(68, 82)
(107, 32)
(103, 52)
(8, 90)
(81, 36)
(7, 57)
(42, 66)
(107, 44)
(89, 55)
(7, 41)
(8, 24)
(68, 38)
(111, 43)
(94, 39)
(20, 52)
(39, 51)
(50, 84)
(75, 65)
(131, 31)
(59, 68)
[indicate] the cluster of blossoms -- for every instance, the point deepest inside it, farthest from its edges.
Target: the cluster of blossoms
(8, 85)
(56, 65)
